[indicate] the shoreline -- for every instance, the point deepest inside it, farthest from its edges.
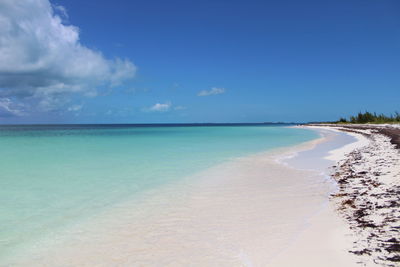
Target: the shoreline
(328, 238)
(250, 211)
(369, 193)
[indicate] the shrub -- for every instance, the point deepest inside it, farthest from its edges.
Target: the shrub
(368, 117)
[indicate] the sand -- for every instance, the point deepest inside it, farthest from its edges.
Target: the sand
(369, 194)
(328, 239)
(252, 211)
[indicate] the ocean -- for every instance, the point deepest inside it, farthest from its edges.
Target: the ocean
(54, 176)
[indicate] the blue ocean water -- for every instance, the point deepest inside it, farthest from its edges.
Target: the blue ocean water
(52, 176)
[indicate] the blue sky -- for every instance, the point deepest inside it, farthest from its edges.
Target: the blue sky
(197, 61)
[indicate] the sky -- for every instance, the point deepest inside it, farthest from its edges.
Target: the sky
(147, 61)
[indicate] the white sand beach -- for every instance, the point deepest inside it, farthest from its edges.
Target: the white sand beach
(253, 211)
(368, 196)
(253, 133)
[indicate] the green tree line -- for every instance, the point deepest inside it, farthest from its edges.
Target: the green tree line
(368, 117)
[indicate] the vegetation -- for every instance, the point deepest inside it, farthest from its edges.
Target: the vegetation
(368, 117)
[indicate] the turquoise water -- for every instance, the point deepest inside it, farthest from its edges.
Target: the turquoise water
(52, 176)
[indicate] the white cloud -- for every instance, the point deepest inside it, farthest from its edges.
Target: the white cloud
(160, 107)
(60, 9)
(42, 59)
(212, 91)
(9, 109)
(75, 108)
(163, 107)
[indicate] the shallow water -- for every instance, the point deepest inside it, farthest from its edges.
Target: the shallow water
(53, 177)
(315, 159)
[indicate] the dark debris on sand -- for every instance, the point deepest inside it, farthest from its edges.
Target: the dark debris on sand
(369, 203)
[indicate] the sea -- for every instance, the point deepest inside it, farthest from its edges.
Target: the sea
(55, 176)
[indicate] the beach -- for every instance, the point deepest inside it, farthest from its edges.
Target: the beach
(199, 133)
(274, 208)
(368, 195)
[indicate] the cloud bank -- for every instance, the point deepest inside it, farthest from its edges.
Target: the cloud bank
(212, 91)
(9, 109)
(43, 61)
